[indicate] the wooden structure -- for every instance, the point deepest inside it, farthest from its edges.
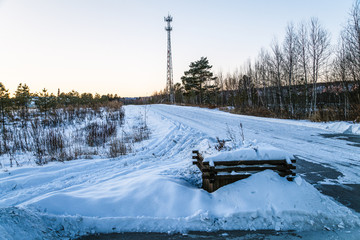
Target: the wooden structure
(226, 172)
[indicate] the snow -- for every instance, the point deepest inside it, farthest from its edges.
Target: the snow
(336, 127)
(301, 138)
(259, 152)
(156, 188)
(342, 127)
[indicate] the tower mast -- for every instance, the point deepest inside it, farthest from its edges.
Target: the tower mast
(169, 79)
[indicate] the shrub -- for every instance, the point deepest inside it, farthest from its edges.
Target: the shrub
(220, 145)
(140, 133)
(119, 147)
(99, 133)
(54, 143)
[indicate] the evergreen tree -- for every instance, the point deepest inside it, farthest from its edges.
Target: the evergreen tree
(4, 102)
(22, 99)
(86, 98)
(199, 81)
(45, 102)
(178, 90)
(4, 106)
(73, 98)
(69, 99)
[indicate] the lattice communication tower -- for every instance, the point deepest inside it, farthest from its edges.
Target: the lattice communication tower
(169, 79)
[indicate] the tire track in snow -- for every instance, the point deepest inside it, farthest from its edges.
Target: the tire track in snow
(176, 140)
(289, 135)
(185, 129)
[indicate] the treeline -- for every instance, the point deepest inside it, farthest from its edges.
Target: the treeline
(302, 76)
(45, 102)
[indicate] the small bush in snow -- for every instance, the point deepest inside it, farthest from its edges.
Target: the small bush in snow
(38, 141)
(234, 140)
(140, 133)
(220, 144)
(119, 147)
(55, 144)
(99, 133)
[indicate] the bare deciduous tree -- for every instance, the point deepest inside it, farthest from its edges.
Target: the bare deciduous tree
(319, 46)
(351, 38)
(276, 63)
(303, 42)
(290, 59)
(340, 72)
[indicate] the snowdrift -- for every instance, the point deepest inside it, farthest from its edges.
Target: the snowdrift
(343, 127)
(160, 204)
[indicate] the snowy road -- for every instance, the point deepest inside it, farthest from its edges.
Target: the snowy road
(332, 164)
(156, 189)
(301, 138)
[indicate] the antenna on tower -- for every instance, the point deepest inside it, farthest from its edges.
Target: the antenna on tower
(169, 80)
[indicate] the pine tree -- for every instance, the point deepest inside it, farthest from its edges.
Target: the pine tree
(4, 101)
(199, 81)
(86, 98)
(4, 106)
(178, 92)
(22, 99)
(45, 102)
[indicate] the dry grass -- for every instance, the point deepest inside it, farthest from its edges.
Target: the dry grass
(45, 138)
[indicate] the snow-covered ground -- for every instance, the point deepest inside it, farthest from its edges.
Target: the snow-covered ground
(156, 188)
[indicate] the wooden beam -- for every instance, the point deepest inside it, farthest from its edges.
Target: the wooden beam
(235, 177)
(251, 168)
(247, 162)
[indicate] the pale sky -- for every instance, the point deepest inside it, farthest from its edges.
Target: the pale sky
(119, 46)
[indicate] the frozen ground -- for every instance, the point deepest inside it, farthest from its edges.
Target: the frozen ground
(156, 189)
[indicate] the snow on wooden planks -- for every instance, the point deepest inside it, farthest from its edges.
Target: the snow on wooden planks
(221, 173)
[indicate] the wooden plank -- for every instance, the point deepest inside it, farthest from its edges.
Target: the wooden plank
(229, 177)
(289, 173)
(207, 186)
(247, 162)
(251, 168)
(202, 168)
